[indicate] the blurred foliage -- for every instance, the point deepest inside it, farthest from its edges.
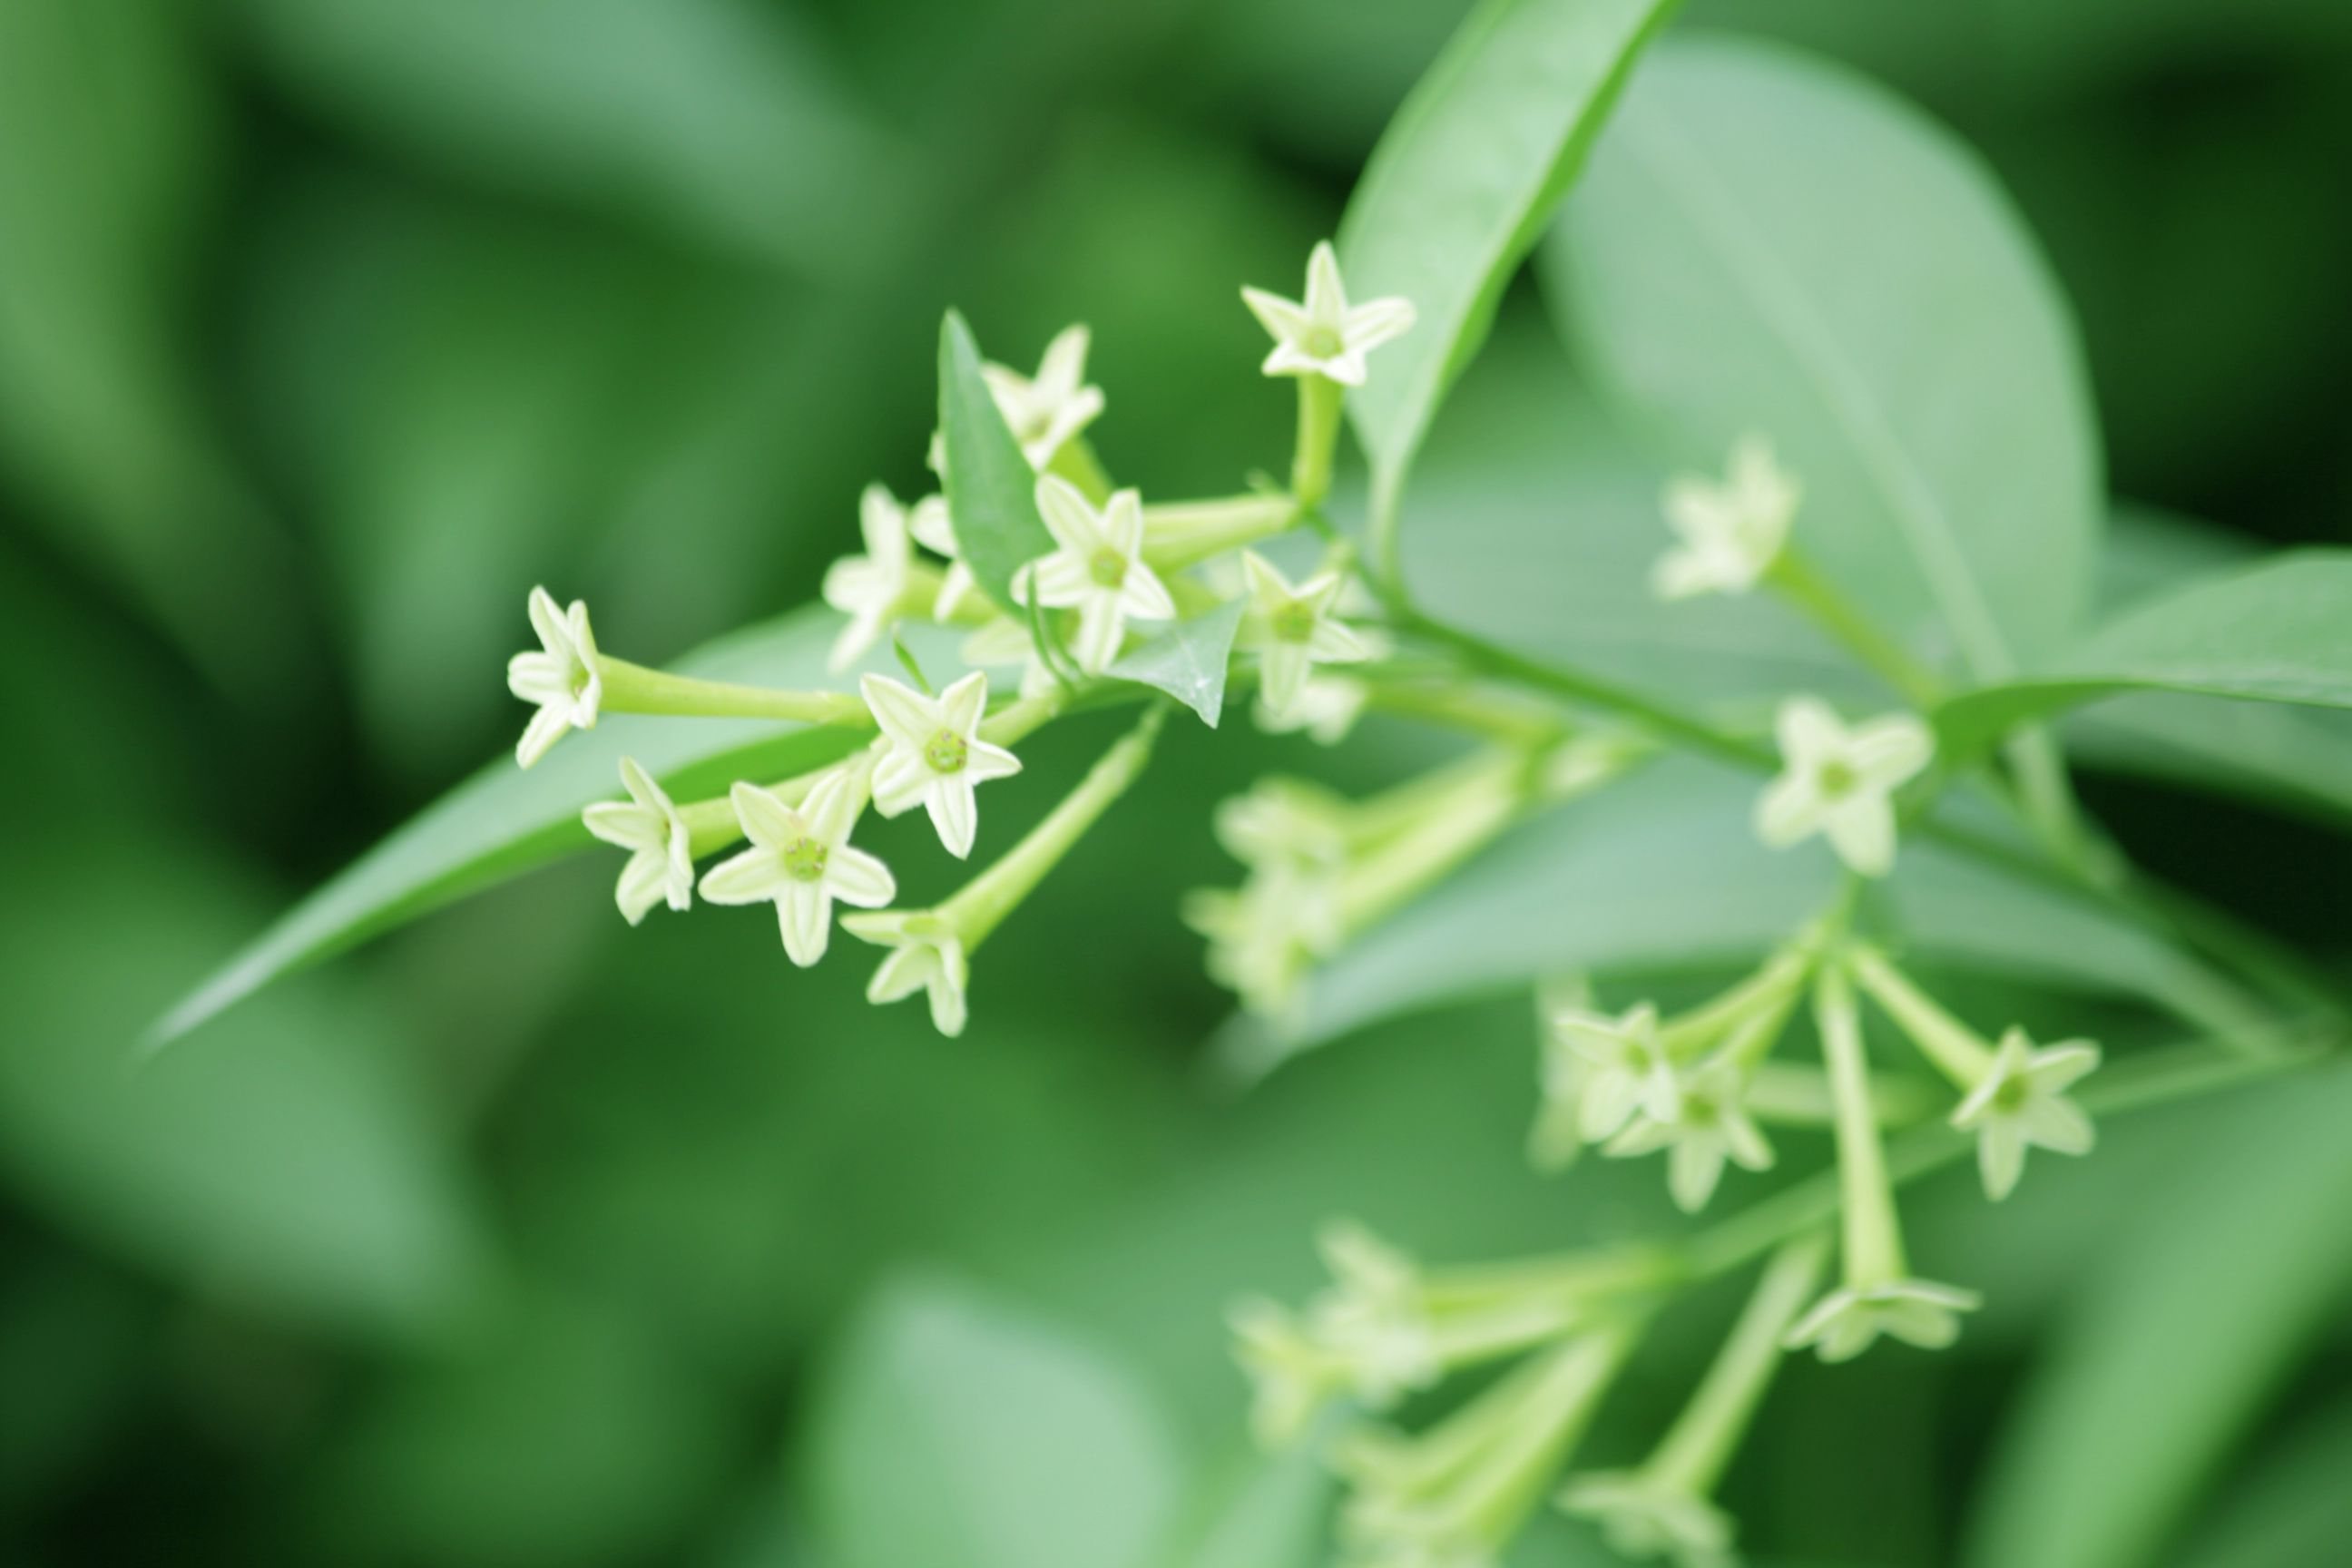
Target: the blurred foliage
(326, 330)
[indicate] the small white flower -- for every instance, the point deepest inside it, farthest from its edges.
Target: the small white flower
(562, 678)
(927, 955)
(803, 860)
(1628, 1069)
(1841, 782)
(1714, 1126)
(1642, 1517)
(1325, 708)
(1292, 1377)
(1257, 943)
(870, 589)
(1006, 643)
(1047, 410)
(1096, 569)
(2021, 1103)
(1731, 532)
(661, 858)
(1293, 836)
(1323, 335)
(931, 756)
(1293, 629)
(934, 529)
(1846, 1322)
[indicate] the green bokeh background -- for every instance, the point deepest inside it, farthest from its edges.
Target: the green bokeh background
(520, 1239)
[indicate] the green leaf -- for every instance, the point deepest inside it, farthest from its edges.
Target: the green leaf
(1188, 660)
(956, 1434)
(1266, 1513)
(2231, 1268)
(1461, 185)
(992, 489)
(296, 1164)
(2274, 633)
(2295, 1509)
(506, 820)
(1765, 243)
(1663, 873)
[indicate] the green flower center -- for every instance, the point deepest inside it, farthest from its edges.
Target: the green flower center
(1325, 342)
(946, 751)
(1838, 779)
(1293, 622)
(804, 859)
(1108, 567)
(2012, 1094)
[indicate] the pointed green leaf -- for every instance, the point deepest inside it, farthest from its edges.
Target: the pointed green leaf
(960, 1434)
(1188, 660)
(2278, 632)
(992, 489)
(1765, 243)
(1461, 185)
(506, 821)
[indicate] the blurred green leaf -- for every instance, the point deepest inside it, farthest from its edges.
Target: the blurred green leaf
(292, 1162)
(1664, 872)
(719, 118)
(1188, 660)
(959, 1435)
(506, 820)
(1764, 244)
(992, 491)
(107, 150)
(2273, 633)
(1266, 1513)
(2173, 1351)
(2294, 1510)
(1461, 185)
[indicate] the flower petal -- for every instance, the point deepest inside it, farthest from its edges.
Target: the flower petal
(547, 726)
(1790, 810)
(804, 912)
(1807, 730)
(1144, 595)
(766, 820)
(1284, 320)
(753, 877)
(900, 777)
(856, 878)
(625, 824)
(963, 702)
(984, 761)
(1377, 322)
(1861, 831)
(905, 714)
(1069, 518)
(2057, 1124)
(1887, 750)
(1101, 628)
(954, 813)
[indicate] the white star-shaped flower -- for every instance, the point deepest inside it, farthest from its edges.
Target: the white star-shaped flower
(562, 678)
(931, 754)
(1714, 1126)
(2021, 1103)
(1627, 1068)
(1326, 710)
(1842, 782)
(1046, 410)
(1322, 335)
(1293, 629)
(1096, 569)
(926, 954)
(1258, 945)
(1848, 1321)
(934, 528)
(661, 858)
(1730, 532)
(1642, 1517)
(870, 589)
(801, 859)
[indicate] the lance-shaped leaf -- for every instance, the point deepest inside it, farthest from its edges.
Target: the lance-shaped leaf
(992, 489)
(1188, 660)
(1461, 185)
(2278, 632)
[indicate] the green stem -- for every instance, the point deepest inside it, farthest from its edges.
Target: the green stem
(633, 689)
(1692, 1455)
(1178, 534)
(1320, 402)
(1959, 1052)
(1873, 1236)
(982, 903)
(1791, 1095)
(1457, 705)
(1817, 596)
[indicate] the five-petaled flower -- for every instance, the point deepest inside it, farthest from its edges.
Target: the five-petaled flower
(2021, 1103)
(1293, 629)
(1046, 410)
(1713, 1126)
(1627, 1068)
(931, 754)
(562, 678)
(1641, 1517)
(1730, 532)
(801, 858)
(1841, 782)
(1323, 335)
(1096, 569)
(1846, 1322)
(870, 589)
(926, 954)
(661, 860)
